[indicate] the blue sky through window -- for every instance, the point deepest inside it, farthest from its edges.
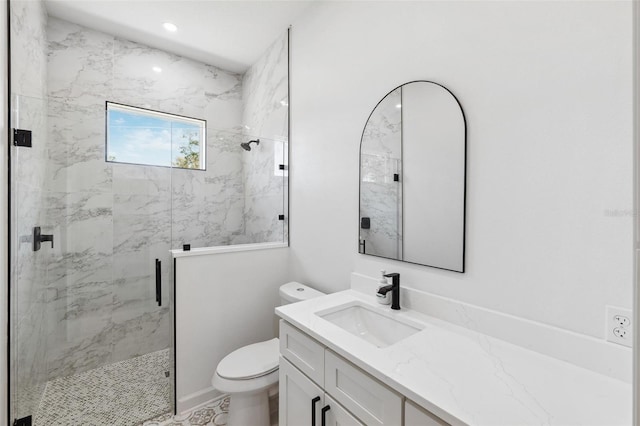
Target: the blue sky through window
(146, 137)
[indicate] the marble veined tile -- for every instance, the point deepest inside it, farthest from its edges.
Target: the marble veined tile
(77, 148)
(265, 113)
(265, 93)
(183, 87)
(260, 176)
(89, 221)
(72, 355)
(176, 90)
(141, 225)
(28, 48)
(141, 180)
(383, 131)
(261, 218)
(79, 63)
(136, 333)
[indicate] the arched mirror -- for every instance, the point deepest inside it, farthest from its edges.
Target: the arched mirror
(412, 177)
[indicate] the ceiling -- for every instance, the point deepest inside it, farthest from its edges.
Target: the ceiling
(229, 34)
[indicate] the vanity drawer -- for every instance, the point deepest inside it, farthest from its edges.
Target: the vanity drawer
(369, 400)
(338, 416)
(415, 415)
(302, 351)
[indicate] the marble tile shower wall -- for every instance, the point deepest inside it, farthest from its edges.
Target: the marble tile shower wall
(380, 195)
(115, 219)
(265, 113)
(30, 310)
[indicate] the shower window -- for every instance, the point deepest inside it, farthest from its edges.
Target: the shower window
(146, 137)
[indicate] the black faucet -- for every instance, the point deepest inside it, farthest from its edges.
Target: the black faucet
(394, 287)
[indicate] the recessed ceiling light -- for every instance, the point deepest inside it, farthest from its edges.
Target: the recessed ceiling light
(170, 27)
(157, 69)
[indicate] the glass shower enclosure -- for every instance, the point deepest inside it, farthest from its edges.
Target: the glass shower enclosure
(91, 277)
(123, 152)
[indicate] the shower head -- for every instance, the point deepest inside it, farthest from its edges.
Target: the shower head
(247, 145)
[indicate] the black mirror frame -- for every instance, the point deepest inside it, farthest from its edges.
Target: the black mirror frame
(464, 213)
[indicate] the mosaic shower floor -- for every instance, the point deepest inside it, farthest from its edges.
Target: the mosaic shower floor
(124, 393)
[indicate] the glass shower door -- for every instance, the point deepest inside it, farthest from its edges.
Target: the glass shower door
(142, 280)
(90, 317)
(30, 293)
(89, 340)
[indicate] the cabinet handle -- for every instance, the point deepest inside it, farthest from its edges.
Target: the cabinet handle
(313, 410)
(324, 414)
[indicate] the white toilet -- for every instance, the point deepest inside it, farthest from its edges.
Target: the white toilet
(248, 373)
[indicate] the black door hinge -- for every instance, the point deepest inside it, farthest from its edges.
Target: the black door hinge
(25, 421)
(22, 137)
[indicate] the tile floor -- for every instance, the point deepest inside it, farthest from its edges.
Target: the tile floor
(213, 413)
(121, 394)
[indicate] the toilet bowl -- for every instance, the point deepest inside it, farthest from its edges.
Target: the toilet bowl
(248, 373)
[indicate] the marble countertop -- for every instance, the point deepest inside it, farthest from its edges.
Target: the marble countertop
(466, 377)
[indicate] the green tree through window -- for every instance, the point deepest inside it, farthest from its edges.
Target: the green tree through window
(145, 137)
(190, 151)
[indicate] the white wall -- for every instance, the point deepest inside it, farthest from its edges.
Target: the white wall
(223, 302)
(546, 89)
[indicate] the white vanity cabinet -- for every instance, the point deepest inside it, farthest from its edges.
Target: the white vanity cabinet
(302, 402)
(300, 399)
(418, 416)
(320, 388)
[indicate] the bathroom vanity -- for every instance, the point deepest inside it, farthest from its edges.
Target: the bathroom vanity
(348, 360)
(335, 388)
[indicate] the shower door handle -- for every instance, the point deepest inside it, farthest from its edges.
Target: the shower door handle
(158, 282)
(39, 238)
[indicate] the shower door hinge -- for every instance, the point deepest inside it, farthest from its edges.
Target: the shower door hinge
(25, 421)
(280, 217)
(282, 167)
(22, 138)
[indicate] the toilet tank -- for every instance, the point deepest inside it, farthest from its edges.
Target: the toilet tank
(295, 292)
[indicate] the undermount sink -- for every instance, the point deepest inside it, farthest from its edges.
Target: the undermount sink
(380, 329)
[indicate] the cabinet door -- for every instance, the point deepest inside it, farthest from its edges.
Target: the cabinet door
(418, 416)
(302, 351)
(371, 401)
(297, 393)
(338, 416)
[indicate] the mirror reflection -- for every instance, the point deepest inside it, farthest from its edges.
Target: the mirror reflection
(412, 177)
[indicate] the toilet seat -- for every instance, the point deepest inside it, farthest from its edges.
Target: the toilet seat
(250, 362)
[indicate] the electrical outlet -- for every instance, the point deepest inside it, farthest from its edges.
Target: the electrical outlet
(620, 332)
(619, 326)
(621, 320)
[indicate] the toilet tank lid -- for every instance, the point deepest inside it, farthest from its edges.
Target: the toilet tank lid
(294, 292)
